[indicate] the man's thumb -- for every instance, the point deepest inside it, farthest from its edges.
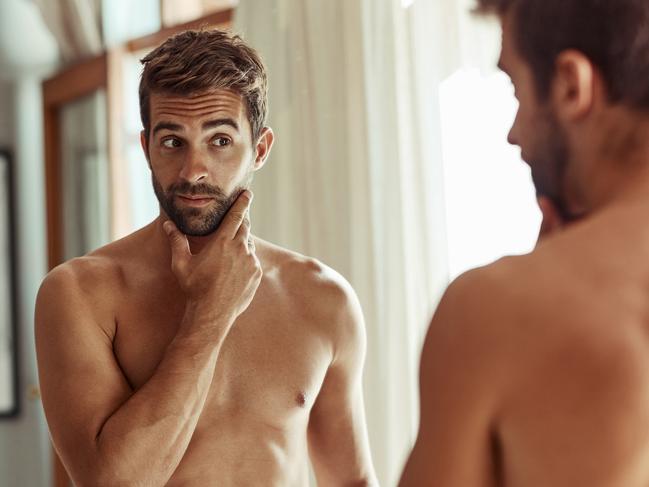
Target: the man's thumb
(552, 220)
(180, 252)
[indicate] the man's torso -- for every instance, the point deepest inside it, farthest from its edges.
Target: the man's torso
(252, 430)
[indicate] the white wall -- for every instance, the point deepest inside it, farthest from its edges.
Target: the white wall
(25, 452)
(27, 54)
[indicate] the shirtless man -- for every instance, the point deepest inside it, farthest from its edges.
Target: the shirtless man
(190, 353)
(535, 370)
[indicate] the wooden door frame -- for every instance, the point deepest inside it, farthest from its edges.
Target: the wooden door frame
(75, 82)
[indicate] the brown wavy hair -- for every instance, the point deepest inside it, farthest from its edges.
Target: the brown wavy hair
(613, 34)
(196, 61)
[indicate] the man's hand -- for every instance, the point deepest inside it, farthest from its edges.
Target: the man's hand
(552, 220)
(226, 273)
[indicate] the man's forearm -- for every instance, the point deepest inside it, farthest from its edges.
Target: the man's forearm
(143, 442)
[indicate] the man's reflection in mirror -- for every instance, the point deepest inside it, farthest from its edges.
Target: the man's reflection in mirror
(192, 352)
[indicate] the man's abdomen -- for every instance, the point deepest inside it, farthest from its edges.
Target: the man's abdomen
(244, 451)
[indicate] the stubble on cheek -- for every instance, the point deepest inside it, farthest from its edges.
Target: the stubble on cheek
(196, 221)
(550, 155)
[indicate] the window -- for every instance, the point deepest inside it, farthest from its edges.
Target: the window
(179, 11)
(490, 200)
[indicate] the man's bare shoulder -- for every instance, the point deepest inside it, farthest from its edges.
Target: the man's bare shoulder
(474, 318)
(88, 281)
(100, 270)
(75, 295)
(541, 322)
(499, 313)
(520, 300)
(86, 274)
(94, 280)
(305, 277)
(314, 290)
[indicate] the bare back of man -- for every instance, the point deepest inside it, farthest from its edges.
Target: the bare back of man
(273, 381)
(546, 382)
(573, 340)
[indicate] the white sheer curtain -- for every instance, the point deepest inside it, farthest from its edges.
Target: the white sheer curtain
(84, 28)
(356, 178)
(76, 25)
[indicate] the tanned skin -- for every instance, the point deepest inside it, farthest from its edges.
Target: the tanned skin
(535, 370)
(194, 361)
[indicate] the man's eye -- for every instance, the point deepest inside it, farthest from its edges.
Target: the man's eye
(221, 141)
(171, 143)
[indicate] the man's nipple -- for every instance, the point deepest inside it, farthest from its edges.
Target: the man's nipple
(300, 399)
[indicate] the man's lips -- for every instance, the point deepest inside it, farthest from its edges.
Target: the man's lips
(195, 200)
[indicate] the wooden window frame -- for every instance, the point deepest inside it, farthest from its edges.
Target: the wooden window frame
(169, 8)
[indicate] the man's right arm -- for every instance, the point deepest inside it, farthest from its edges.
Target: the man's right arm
(106, 433)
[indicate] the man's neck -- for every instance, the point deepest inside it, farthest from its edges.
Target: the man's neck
(611, 160)
(621, 181)
(197, 244)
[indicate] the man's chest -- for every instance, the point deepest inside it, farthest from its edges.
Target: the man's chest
(270, 367)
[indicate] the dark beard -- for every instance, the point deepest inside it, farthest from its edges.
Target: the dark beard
(550, 164)
(197, 222)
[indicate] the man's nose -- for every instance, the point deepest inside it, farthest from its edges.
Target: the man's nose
(194, 168)
(513, 137)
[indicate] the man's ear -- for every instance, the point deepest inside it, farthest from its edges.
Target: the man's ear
(145, 146)
(264, 144)
(577, 86)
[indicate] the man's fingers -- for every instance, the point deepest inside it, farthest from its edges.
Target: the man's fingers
(180, 252)
(243, 233)
(236, 214)
(552, 220)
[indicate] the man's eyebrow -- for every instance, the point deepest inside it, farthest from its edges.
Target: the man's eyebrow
(210, 124)
(174, 127)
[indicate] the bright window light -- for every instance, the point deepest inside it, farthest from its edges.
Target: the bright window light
(490, 200)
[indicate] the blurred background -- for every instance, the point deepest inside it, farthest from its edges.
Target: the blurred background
(391, 165)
